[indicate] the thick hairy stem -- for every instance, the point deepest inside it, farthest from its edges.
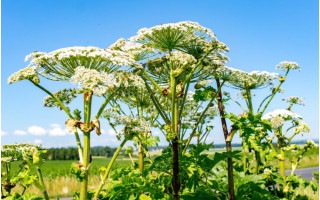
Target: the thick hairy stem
(228, 143)
(43, 190)
(141, 159)
(230, 172)
(282, 167)
(258, 161)
(86, 140)
(244, 148)
(86, 159)
(175, 159)
(175, 142)
(106, 174)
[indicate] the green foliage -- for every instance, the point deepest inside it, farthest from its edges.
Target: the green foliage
(78, 171)
(203, 95)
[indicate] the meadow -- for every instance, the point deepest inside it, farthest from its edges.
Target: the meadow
(60, 183)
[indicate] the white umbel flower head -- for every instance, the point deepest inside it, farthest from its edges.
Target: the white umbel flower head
(23, 74)
(137, 50)
(182, 27)
(252, 80)
(285, 65)
(295, 100)
(285, 114)
(61, 63)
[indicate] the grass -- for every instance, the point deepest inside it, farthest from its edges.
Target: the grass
(59, 168)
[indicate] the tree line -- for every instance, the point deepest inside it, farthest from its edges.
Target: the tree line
(71, 153)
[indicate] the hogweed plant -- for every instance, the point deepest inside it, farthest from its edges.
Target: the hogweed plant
(178, 51)
(171, 78)
(278, 118)
(94, 70)
(30, 156)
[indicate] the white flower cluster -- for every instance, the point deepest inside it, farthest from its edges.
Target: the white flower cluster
(23, 74)
(285, 114)
(267, 171)
(310, 144)
(277, 122)
(128, 79)
(295, 100)
(133, 124)
(302, 127)
(252, 80)
(11, 152)
(183, 27)
(60, 64)
(133, 48)
(33, 55)
(181, 59)
(91, 79)
(285, 65)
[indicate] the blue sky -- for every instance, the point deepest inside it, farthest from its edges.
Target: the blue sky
(260, 34)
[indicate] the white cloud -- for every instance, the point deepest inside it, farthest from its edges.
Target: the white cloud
(57, 130)
(3, 133)
(37, 142)
(37, 130)
(111, 132)
(19, 132)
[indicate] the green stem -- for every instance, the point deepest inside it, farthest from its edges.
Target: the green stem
(86, 140)
(80, 149)
(105, 103)
(282, 167)
(44, 191)
(249, 100)
(257, 157)
(175, 142)
(65, 109)
(200, 118)
(156, 103)
(24, 190)
(141, 159)
(245, 147)
(152, 81)
(184, 99)
(274, 93)
(55, 98)
(109, 168)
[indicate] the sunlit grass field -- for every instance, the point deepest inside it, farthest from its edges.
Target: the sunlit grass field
(60, 183)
